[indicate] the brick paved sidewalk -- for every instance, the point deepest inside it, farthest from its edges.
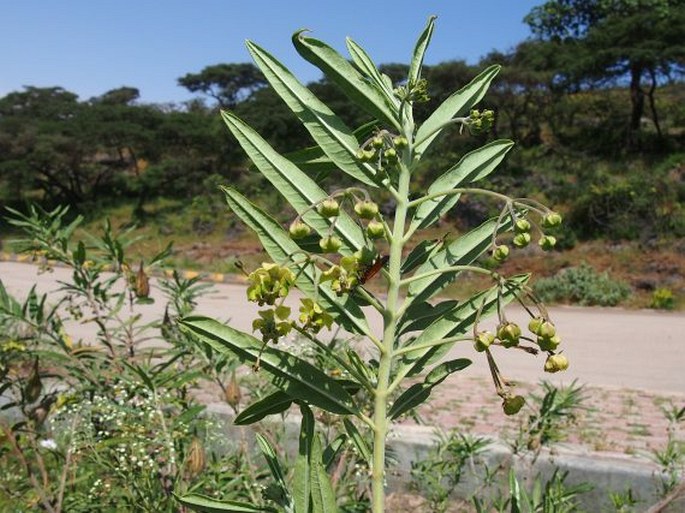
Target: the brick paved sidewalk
(615, 420)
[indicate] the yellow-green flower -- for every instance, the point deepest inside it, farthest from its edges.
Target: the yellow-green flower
(313, 317)
(269, 283)
(273, 323)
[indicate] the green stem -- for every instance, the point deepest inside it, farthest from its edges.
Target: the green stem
(459, 190)
(445, 270)
(380, 418)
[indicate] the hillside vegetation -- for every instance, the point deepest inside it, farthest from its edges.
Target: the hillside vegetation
(598, 135)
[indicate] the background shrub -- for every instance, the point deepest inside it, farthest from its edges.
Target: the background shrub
(582, 285)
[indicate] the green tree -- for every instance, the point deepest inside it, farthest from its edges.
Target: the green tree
(607, 42)
(70, 150)
(228, 84)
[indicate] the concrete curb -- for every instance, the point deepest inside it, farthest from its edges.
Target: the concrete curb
(606, 472)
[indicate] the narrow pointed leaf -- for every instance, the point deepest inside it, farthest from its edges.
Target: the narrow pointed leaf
(455, 323)
(456, 104)
(205, 504)
(294, 376)
(424, 314)
(419, 392)
(301, 478)
(331, 452)
(295, 186)
(367, 67)
(275, 467)
(344, 75)
(281, 248)
(358, 440)
(323, 497)
(514, 493)
(462, 251)
(420, 51)
(312, 160)
(327, 129)
(272, 404)
(421, 252)
(473, 166)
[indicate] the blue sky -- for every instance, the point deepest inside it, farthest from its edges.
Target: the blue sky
(92, 46)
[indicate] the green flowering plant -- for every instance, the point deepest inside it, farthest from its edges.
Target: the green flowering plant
(353, 235)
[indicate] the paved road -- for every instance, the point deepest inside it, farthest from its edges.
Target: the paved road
(606, 347)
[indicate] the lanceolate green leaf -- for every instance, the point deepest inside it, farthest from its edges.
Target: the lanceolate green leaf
(456, 104)
(420, 253)
(281, 248)
(327, 129)
(419, 392)
(423, 314)
(472, 167)
(301, 477)
(333, 450)
(367, 66)
(459, 321)
(313, 161)
(420, 51)
(274, 403)
(462, 251)
(296, 377)
(275, 467)
(342, 73)
(323, 497)
(295, 186)
(358, 440)
(205, 504)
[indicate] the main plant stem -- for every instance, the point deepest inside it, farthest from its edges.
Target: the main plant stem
(389, 332)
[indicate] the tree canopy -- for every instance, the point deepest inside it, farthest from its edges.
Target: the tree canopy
(609, 42)
(228, 84)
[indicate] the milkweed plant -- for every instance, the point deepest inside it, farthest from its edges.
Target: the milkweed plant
(340, 239)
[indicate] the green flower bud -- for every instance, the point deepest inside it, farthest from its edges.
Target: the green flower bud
(366, 209)
(298, 230)
(513, 405)
(522, 226)
(369, 155)
(500, 253)
(547, 242)
(377, 142)
(375, 230)
(549, 343)
(556, 363)
(329, 208)
(534, 324)
(521, 240)
(390, 154)
(546, 330)
(483, 340)
(551, 220)
(330, 244)
(509, 334)
(400, 142)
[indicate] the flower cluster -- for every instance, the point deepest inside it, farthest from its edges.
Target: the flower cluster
(273, 323)
(269, 283)
(313, 317)
(522, 235)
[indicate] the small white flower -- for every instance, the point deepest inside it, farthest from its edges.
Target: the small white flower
(48, 443)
